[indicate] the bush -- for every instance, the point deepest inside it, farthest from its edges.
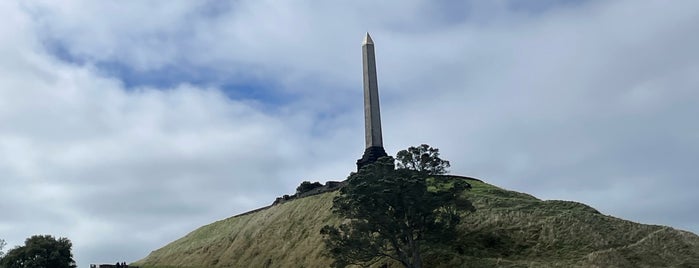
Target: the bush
(307, 186)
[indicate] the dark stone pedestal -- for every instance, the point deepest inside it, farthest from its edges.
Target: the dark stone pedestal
(371, 154)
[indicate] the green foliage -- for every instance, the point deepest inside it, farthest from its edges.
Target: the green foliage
(423, 159)
(2, 245)
(40, 251)
(392, 213)
(307, 186)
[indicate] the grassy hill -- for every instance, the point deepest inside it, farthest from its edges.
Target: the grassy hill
(509, 229)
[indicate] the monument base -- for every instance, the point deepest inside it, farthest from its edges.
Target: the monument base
(371, 154)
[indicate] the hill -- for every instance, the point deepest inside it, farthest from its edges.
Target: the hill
(509, 229)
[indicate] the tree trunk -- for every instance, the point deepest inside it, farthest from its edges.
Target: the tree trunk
(417, 259)
(414, 249)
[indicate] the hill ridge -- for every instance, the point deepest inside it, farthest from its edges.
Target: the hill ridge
(509, 229)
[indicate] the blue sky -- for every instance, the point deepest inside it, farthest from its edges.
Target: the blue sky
(242, 86)
(176, 114)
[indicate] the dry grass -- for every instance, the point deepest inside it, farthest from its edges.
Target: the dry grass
(285, 235)
(509, 229)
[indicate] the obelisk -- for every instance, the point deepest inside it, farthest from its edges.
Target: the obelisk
(372, 115)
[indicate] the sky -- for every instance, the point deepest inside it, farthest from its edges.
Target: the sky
(124, 125)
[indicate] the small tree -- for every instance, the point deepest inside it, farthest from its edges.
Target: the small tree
(40, 251)
(423, 159)
(307, 186)
(391, 213)
(2, 245)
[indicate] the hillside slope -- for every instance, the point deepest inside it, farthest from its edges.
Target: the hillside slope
(509, 229)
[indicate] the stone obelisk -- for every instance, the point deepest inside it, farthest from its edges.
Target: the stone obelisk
(372, 115)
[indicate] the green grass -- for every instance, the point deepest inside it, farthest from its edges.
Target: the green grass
(509, 229)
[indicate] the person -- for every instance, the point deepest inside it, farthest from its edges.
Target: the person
(118, 265)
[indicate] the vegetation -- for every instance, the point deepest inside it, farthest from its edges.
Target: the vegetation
(307, 186)
(285, 235)
(40, 251)
(423, 159)
(508, 229)
(391, 213)
(2, 245)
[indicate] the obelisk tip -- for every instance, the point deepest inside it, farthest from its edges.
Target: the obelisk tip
(367, 40)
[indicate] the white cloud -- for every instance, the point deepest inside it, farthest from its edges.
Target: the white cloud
(592, 102)
(88, 159)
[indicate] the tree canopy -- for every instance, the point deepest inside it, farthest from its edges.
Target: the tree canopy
(393, 213)
(422, 158)
(40, 251)
(307, 186)
(2, 245)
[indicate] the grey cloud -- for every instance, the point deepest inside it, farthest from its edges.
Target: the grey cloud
(591, 102)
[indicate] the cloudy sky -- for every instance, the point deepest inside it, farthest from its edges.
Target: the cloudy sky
(126, 124)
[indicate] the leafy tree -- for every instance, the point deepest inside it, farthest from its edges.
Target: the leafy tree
(2, 245)
(392, 213)
(307, 186)
(40, 251)
(422, 158)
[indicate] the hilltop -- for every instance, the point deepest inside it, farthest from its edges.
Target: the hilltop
(509, 229)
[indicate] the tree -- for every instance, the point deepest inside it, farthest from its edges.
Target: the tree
(423, 159)
(2, 245)
(307, 186)
(40, 251)
(393, 213)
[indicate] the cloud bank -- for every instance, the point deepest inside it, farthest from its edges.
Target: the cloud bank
(123, 126)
